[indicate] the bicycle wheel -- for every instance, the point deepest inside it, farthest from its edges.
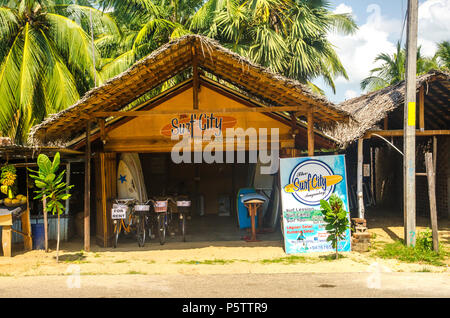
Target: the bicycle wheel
(140, 230)
(162, 227)
(183, 226)
(116, 233)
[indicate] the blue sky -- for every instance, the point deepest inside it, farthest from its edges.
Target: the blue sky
(380, 27)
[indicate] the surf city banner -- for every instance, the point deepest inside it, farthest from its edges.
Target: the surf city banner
(304, 182)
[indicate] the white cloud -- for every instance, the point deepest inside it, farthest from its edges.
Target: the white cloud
(379, 34)
(358, 51)
(343, 8)
(434, 24)
(349, 93)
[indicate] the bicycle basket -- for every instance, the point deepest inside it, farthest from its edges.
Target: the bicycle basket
(161, 206)
(142, 207)
(184, 203)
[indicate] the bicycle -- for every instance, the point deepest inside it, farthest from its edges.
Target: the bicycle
(120, 212)
(164, 216)
(183, 206)
(140, 212)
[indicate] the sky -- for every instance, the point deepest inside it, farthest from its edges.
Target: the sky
(379, 28)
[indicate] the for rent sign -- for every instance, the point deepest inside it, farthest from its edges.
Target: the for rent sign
(304, 182)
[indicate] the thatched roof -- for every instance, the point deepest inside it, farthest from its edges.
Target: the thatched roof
(171, 59)
(369, 109)
(16, 152)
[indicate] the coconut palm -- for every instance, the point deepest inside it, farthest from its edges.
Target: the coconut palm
(443, 55)
(145, 25)
(287, 36)
(392, 69)
(46, 59)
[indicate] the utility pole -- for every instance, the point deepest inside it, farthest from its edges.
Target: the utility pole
(409, 130)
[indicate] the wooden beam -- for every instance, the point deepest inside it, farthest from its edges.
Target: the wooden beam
(421, 109)
(386, 123)
(195, 78)
(101, 124)
(139, 113)
(87, 189)
(359, 186)
(431, 173)
(310, 119)
(399, 133)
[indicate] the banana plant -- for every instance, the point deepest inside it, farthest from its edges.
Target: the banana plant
(336, 218)
(51, 189)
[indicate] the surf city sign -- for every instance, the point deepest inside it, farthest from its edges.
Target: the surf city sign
(305, 181)
(312, 181)
(203, 122)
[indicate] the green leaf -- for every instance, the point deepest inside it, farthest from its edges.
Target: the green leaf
(40, 184)
(49, 179)
(44, 164)
(55, 163)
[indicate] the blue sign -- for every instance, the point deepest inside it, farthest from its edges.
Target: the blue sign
(304, 182)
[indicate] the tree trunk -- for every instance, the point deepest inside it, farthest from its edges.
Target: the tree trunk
(45, 225)
(57, 242)
(337, 244)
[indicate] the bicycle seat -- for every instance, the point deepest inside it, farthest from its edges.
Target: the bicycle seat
(253, 198)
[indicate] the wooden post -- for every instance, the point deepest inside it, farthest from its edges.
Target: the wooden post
(44, 206)
(431, 174)
(87, 190)
(195, 78)
(104, 208)
(386, 123)
(6, 240)
(409, 130)
(310, 119)
(25, 218)
(421, 109)
(359, 187)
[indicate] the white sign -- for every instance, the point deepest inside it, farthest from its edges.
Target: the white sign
(119, 211)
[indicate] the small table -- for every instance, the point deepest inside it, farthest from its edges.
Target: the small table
(252, 202)
(7, 215)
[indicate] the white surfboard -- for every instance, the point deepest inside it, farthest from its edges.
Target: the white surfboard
(130, 182)
(126, 185)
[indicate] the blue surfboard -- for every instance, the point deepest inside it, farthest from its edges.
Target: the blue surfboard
(243, 217)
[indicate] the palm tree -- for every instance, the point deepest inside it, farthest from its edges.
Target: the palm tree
(46, 59)
(287, 36)
(443, 55)
(392, 69)
(145, 25)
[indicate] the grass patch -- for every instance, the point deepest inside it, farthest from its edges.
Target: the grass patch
(332, 257)
(96, 255)
(289, 260)
(424, 270)
(76, 258)
(5, 275)
(136, 273)
(207, 262)
(409, 254)
(121, 261)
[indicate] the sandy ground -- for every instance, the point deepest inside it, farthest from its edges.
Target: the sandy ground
(231, 257)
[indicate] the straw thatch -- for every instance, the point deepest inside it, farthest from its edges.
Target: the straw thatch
(171, 59)
(368, 110)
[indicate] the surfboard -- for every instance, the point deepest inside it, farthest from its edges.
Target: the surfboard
(134, 163)
(126, 186)
(130, 181)
(243, 217)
